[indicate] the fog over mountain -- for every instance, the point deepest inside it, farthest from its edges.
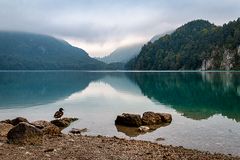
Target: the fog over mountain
(100, 27)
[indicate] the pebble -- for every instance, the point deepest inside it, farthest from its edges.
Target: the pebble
(160, 139)
(49, 150)
(47, 155)
(28, 153)
(71, 140)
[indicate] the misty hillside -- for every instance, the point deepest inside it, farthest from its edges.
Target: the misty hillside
(38, 52)
(158, 36)
(122, 54)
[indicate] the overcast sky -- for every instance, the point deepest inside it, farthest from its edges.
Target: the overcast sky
(100, 26)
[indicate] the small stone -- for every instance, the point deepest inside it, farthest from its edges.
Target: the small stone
(71, 140)
(28, 153)
(143, 128)
(77, 131)
(47, 155)
(49, 150)
(160, 139)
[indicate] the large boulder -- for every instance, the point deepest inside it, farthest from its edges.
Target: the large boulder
(25, 133)
(131, 120)
(166, 117)
(151, 118)
(5, 128)
(18, 120)
(47, 127)
(64, 122)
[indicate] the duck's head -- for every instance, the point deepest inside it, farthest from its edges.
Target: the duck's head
(61, 109)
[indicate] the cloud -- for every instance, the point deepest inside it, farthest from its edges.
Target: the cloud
(107, 24)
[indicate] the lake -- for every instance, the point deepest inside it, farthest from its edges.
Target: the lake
(205, 105)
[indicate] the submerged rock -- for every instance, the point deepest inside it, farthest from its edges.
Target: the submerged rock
(47, 127)
(5, 128)
(131, 120)
(151, 118)
(25, 133)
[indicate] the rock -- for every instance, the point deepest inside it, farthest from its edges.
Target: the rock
(131, 120)
(18, 120)
(151, 118)
(60, 123)
(166, 117)
(49, 150)
(70, 120)
(5, 128)
(77, 131)
(64, 122)
(25, 133)
(160, 139)
(8, 121)
(143, 128)
(47, 127)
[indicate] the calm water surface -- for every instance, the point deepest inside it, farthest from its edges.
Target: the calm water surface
(205, 105)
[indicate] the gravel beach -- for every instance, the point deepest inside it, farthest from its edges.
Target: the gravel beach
(73, 147)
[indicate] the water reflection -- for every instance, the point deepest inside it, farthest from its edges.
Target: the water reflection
(134, 131)
(26, 89)
(195, 95)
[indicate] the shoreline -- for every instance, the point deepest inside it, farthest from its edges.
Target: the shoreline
(69, 146)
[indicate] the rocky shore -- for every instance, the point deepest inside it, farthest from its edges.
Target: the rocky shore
(24, 140)
(73, 147)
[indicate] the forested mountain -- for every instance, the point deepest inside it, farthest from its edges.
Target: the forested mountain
(122, 54)
(29, 51)
(197, 45)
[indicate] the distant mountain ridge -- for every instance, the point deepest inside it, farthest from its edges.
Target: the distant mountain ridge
(28, 51)
(126, 53)
(197, 45)
(122, 54)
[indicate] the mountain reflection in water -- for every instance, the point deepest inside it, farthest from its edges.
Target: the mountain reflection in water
(196, 95)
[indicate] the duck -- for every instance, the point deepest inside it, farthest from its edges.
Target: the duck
(59, 113)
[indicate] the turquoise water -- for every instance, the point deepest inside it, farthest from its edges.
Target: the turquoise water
(205, 105)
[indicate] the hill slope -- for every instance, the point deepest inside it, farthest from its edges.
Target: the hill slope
(122, 54)
(38, 52)
(196, 45)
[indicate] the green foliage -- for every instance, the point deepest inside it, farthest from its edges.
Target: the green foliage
(25, 51)
(188, 46)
